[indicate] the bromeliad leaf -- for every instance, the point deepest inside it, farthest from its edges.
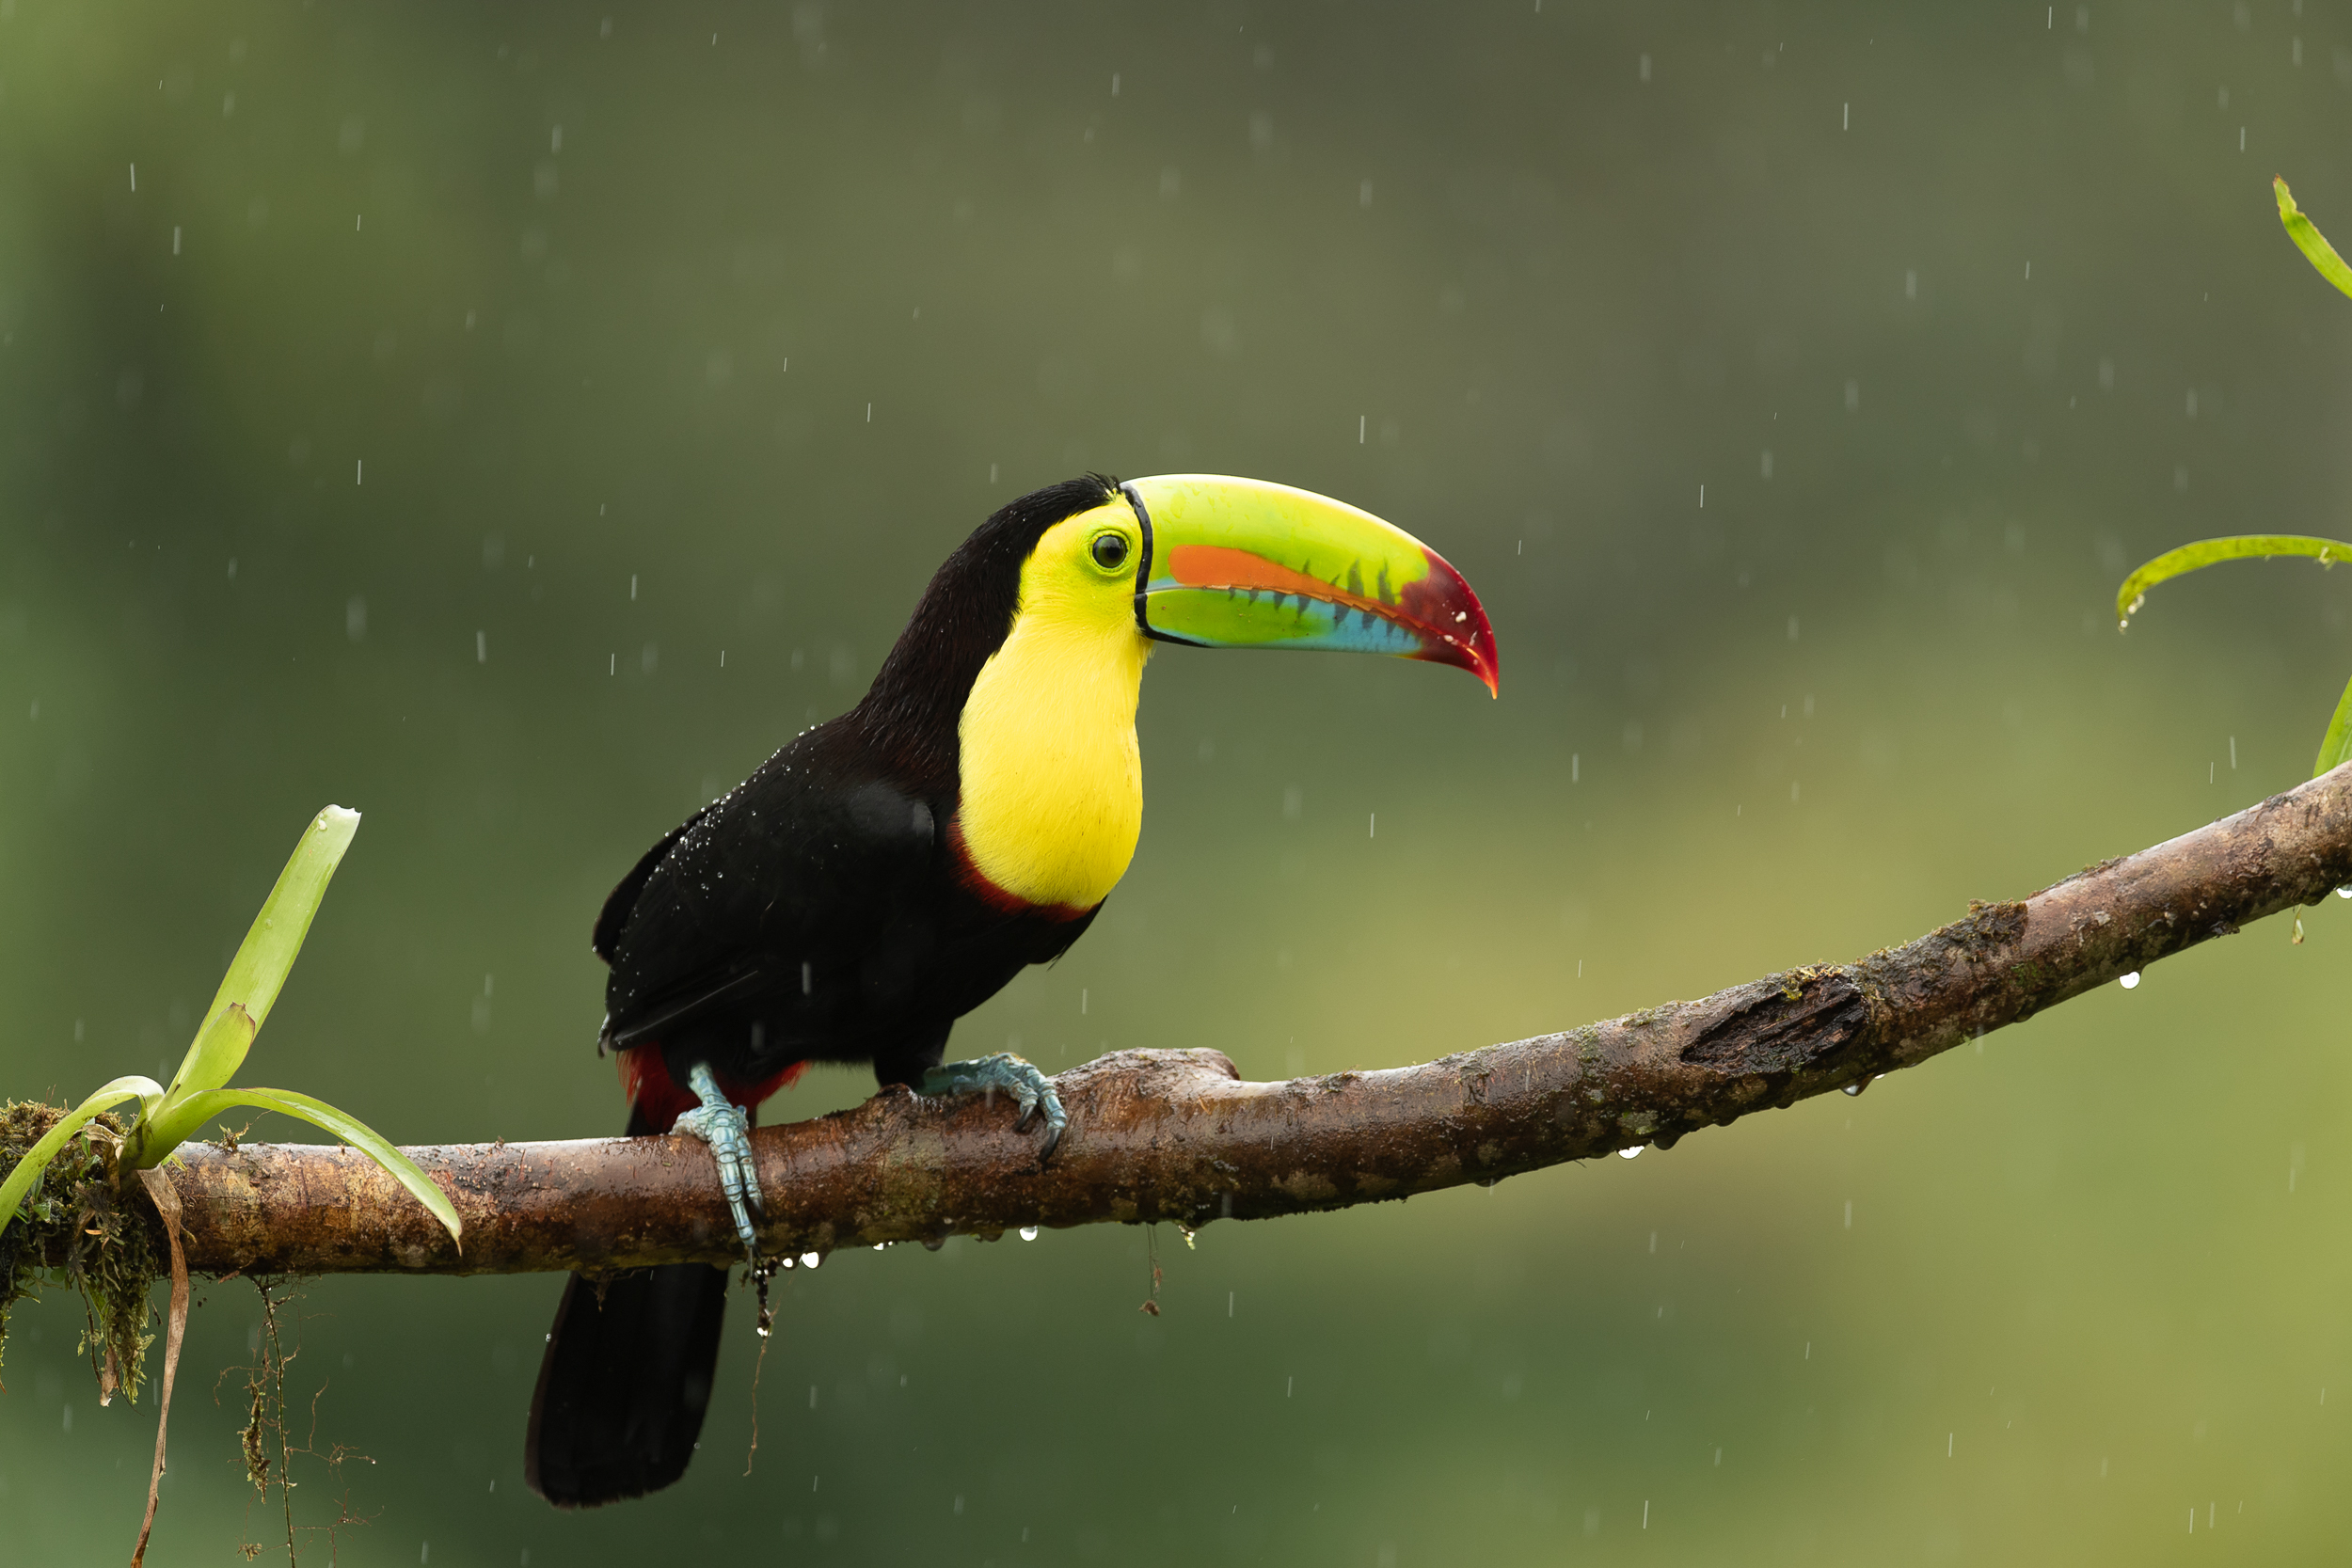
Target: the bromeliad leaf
(202, 1108)
(19, 1181)
(2309, 241)
(168, 1125)
(219, 1052)
(2206, 552)
(169, 1117)
(2336, 746)
(258, 972)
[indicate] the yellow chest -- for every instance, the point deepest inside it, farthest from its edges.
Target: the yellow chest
(1052, 782)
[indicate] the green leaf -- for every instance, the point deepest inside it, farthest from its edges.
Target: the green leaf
(217, 1050)
(197, 1109)
(2206, 552)
(2337, 745)
(19, 1181)
(258, 970)
(2309, 241)
(217, 1053)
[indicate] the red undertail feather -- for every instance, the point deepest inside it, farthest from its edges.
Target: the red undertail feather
(645, 1079)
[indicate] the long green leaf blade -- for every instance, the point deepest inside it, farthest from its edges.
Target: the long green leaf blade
(20, 1180)
(259, 971)
(2336, 746)
(2309, 241)
(2206, 552)
(213, 1059)
(202, 1108)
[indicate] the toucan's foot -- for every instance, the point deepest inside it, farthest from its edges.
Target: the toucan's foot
(1013, 1074)
(727, 1128)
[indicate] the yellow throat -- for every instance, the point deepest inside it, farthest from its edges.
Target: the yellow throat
(1052, 781)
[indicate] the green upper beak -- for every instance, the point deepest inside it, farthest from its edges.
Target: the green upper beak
(1241, 563)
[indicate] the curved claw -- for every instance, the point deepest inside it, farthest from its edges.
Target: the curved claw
(727, 1130)
(1017, 1076)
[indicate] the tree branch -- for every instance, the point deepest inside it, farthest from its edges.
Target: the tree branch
(1177, 1135)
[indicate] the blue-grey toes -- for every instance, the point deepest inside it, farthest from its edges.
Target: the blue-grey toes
(727, 1128)
(1015, 1076)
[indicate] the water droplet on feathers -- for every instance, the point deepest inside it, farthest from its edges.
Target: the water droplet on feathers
(2129, 981)
(1028, 1232)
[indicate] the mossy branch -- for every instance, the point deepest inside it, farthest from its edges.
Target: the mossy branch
(1178, 1136)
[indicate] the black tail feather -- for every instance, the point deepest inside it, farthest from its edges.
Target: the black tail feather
(625, 1381)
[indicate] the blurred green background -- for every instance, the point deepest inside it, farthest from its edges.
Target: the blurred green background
(458, 384)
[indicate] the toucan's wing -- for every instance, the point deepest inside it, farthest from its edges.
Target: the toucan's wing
(614, 917)
(796, 874)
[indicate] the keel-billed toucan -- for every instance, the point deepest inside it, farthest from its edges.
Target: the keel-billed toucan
(889, 870)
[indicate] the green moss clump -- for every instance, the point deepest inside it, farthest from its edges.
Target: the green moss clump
(74, 1229)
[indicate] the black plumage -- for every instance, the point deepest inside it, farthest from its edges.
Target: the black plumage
(822, 911)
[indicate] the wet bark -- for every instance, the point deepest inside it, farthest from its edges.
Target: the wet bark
(1179, 1136)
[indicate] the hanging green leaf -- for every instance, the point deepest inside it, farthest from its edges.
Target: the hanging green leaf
(2309, 241)
(197, 1109)
(20, 1180)
(2206, 552)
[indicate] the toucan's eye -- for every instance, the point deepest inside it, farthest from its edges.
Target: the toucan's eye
(1110, 551)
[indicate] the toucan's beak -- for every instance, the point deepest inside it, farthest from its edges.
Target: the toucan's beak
(1241, 563)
